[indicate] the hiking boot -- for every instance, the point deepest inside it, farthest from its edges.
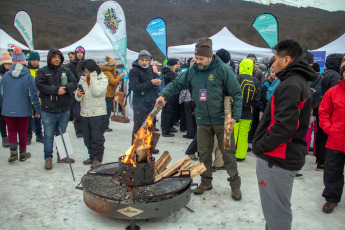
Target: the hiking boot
(108, 130)
(13, 156)
(193, 157)
(95, 163)
(24, 155)
(49, 164)
(240, 160)
(65, 160)
(168, 134)
(173, 130)
(5, 143)
(39, 138)
(329, 206)
(236, 194)
(188, 136)
(87, 162)
(202, 188)
(320, 167)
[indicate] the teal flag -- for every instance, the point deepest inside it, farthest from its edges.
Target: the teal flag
(267, 27)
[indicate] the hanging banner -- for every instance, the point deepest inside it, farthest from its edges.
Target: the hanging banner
(320, 58)
(111, 18)
(267, 26)
(157, 30)
(22, 22)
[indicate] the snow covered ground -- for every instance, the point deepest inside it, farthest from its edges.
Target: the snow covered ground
(34, 198)
(330, 5)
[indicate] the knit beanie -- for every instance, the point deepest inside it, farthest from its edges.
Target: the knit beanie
(203, 47)
(144, 54)
(172, 62)
(310, 57)
(316, 67)
(110, 61)
(34, 56)
(224, 55)
(342, 67)
(252, 56)
(6, 58)
(18, 57)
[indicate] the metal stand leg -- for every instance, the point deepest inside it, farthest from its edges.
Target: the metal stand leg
(132, 226)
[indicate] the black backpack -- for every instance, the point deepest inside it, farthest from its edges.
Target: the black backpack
(162, 85)
(248, 92)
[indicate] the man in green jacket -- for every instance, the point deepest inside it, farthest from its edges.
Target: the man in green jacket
(211, 80)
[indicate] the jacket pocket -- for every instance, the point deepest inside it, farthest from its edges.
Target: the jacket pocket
(279, 152)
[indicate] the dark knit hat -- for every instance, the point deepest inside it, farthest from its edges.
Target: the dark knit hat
(203, 47)
(342, 67)
(224, 55)
(144, 54)
(172, 61)
(310, 57)
(34, 56)
(316, 67)
(18, 56)
(253, 56)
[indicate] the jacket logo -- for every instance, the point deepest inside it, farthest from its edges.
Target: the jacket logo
(211, 77)
(262, 184)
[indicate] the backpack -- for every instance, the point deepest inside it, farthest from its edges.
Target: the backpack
(317, 86)
(248, 91)
(162, 85)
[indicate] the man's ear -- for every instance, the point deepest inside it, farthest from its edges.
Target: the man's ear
(287, 60)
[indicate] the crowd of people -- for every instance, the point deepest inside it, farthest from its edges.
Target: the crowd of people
(276, 107)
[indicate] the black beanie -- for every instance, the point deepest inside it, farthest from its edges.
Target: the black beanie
(203, 47)
(224, 55)
(316, 67)
(310, 57)
(172, 62)
(253, 56)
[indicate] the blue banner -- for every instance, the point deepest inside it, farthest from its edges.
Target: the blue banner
(267, 27)
(320, 58)
(157, 30)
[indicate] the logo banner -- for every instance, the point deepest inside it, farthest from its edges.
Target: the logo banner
(157, 30)
(111, 18)
(22, 22)
(267, 27)
(320, 58)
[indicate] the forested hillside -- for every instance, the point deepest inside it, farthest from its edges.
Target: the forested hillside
(58, 23)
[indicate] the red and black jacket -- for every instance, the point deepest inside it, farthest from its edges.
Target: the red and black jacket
(279, 137)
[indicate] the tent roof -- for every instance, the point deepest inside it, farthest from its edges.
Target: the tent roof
(96, 45)
(226, 40)
(6, 42)
(337, 46)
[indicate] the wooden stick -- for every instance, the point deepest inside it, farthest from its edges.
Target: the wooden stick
(227, 127)
(172, 169)
(162, 163)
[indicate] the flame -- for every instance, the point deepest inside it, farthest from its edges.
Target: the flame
(142, 137)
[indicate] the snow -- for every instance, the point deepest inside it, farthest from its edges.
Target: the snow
(34, 198)
(330, 5)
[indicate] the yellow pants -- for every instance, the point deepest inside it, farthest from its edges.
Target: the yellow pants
(241, 130)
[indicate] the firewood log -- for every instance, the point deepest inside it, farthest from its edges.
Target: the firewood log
(171, 170)
(227, 128)
(142, 151)
(162, 163)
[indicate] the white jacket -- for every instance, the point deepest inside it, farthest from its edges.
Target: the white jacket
(92, 103)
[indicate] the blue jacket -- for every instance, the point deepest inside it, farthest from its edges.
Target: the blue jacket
(17, 91)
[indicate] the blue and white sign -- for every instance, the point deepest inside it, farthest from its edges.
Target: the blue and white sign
(157, 30)
(320, 58)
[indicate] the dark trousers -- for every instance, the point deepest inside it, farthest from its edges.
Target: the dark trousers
(77, 118)
(167, 116)
(255, 123)
(183, 119)
(93, 135)
(333, 175)
(193, 147)
(139, 118)
(320, 144)
(37, 122)
(190, 118)
(2, 125)
(109, 103)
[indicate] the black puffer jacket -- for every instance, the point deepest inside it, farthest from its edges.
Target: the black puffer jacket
(48, 82)
(331, 75)
(73, 65)
(144, 92)
(279, 137)
(169, 75)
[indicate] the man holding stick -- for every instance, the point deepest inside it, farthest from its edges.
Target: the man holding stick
(211, 80)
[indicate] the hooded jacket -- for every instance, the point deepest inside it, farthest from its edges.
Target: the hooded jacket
(144, 92)
(48, 82)
(17, 91)
(244, 78)
(331, 76)
(279, 138)
(73, 65)
(219, 80)
(331, 115)
(169, 75)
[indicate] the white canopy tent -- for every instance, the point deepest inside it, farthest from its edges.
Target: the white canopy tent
(7, 42)
(96, 45)
(337, 46)
(226, 40)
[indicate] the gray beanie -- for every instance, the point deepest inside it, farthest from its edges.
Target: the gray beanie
(144, 54)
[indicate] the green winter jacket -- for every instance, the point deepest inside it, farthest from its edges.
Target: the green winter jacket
(219, 80)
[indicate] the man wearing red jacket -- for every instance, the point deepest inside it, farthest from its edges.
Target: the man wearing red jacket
(279, 139)
(331, 115)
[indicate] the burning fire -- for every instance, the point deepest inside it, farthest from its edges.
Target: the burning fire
(141, 138)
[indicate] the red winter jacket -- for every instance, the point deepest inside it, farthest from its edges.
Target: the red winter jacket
(331, 114)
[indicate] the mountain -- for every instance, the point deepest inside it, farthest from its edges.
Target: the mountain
(59, 23)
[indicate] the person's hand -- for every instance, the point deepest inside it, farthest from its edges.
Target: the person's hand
(231, 123)
(154, 81)
(62, 90)
(80, 92)
(160, 99)
(159, 82)
(37, 115)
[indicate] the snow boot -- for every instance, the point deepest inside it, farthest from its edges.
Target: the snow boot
(24, 155)
(13, 156)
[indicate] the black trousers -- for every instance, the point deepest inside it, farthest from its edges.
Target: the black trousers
(109, 103)
(320, 144)
(2, 125)
(190, 118)
(255, 123)
(93, 135)
(168, 113)
(193, 147)
(77, 118)
(333, 175)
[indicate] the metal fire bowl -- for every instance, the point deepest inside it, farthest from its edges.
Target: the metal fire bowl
(105, 195)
